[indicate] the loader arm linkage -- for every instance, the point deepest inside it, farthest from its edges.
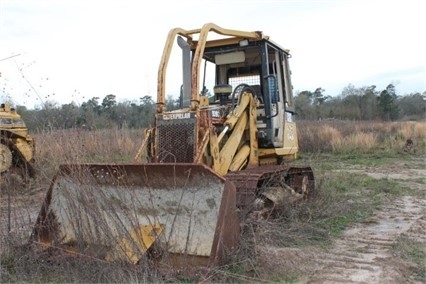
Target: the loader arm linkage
(239, 149)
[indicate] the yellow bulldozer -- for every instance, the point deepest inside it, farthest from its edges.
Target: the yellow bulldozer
(200, 171)
(17, 146)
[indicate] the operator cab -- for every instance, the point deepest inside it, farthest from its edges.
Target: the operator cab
(260, 67)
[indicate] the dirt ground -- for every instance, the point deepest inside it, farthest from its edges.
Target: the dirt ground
(363, 254)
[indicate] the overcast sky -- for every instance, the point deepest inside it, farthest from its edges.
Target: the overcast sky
(66, 51)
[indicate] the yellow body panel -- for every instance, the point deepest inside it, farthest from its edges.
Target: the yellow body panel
(16, 140)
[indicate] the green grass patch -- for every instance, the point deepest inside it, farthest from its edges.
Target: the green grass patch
(340, 223)
(342, 199)
(420, 180)
(414, 251)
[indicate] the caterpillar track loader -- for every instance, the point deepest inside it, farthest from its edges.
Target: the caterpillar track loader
(200, 171)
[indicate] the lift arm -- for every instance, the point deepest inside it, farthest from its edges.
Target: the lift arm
(241, 146)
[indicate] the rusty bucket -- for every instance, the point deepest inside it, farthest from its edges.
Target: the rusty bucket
(185, 211)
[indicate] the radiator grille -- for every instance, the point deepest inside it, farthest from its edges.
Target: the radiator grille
(176, 140)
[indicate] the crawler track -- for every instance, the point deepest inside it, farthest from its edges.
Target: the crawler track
(249, 182)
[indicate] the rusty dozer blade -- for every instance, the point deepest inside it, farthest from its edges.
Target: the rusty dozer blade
(125, 210)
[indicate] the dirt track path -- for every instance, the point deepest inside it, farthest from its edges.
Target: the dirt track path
(364, 253)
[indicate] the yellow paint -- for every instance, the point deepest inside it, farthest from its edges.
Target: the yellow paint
(136, 243)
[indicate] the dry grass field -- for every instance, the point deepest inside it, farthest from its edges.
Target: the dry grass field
(344, 137)
(367, 223)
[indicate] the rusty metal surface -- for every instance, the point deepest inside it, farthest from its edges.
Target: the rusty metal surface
(176, 138)
(249, 181)
(100, 204)
(182, 136)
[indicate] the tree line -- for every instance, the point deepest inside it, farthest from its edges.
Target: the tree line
(365, 103)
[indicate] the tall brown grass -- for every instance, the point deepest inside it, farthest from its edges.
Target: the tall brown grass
(334, 136)
(81, 146)
(329, 136)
